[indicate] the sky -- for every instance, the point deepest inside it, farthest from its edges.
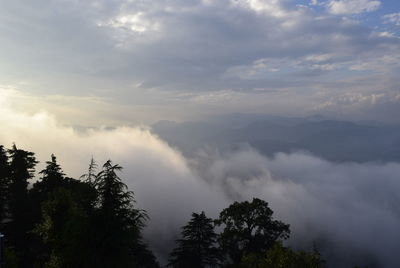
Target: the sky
(124, 62)
(127, 64)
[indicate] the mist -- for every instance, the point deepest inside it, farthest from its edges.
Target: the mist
(349, 211)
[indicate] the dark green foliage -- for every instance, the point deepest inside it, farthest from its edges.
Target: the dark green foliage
(249, 228)
(4, 185)
(62, 222)
(10, 259)
(63, 230)
(197, 247)
(117, 224)
(52, 175)
(52, 179)
(22, 167)
(282, 257)
(90, 177)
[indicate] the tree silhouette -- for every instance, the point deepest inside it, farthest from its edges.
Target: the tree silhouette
(22, 167)
(52, 178)
(63, 229)
(249, 228)
(197, 247)
(118, 225)
(90, 177)
(52, 174)
(4, 185)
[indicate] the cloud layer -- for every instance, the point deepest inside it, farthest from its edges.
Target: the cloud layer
(349, 211)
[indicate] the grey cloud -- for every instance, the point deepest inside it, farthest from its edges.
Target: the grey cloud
(349, 211)
(108, 48)
(341, 207)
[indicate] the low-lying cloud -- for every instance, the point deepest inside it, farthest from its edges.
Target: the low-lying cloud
(348, 211)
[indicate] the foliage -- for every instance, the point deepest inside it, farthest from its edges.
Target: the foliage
(281, 257)
(197, 247)
(63, 229)
(4, 184)
(22, 167)
(249, 228)
(117, 223)
(90, 177)
(11, 259)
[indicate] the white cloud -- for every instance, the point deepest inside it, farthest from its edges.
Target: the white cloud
(307, 192)
(163, 183)
(347, 7)
(143, 56)
(336, 204)
(392, 18)
(133, 22)
(270, 7)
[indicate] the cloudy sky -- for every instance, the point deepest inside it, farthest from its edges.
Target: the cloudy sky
(66, 63)
(118, 62)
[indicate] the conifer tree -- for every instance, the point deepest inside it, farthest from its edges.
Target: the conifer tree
(118, 225)
(52, 178)
(22, 168)
(53, 173)
(4, 185)
(64, 215)
(197, 247)
(64, 231)
(90, 177)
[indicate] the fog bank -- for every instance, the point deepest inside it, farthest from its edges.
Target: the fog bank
(349, 211)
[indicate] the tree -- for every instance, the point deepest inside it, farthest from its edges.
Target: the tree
(66, 210)
(63, 230)
(22, 168)
(4, 185)
(90, 177)
(118, 224)
(52, 175)
(52, 178)
(197, 247)
(282, 257)
(249, 228)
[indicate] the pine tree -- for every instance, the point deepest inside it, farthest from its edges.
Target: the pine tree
(90, 177)
(22, 168)
(118, 241)
(52, 178)
(4, 185)
(52, 174)
(197, 247)
(64, 231)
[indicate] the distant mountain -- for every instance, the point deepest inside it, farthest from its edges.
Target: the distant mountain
(333, 140)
